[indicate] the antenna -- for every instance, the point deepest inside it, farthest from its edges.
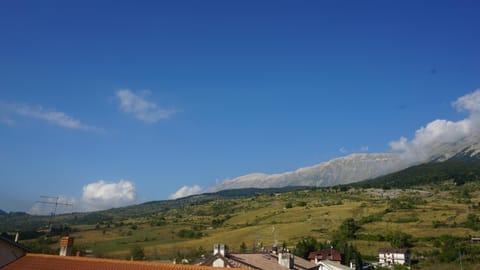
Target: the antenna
(52, 200)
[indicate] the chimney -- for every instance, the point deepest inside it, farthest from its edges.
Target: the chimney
(66, 246)
(220, 249)
(285, 259)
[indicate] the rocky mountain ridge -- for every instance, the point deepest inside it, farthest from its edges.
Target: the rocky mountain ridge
(351, 168)
(343, 170)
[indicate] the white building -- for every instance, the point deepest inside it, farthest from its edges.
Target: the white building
(331, 265)
(390, 256)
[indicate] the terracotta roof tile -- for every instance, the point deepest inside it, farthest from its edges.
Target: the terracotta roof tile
(52, 262)
(326, 254)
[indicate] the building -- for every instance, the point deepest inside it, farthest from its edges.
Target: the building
(330, 254)
(55, 262)
(271, 260)
(14, 257)
(66, 246)
(10, 251)
(331, 265)
(390, 256)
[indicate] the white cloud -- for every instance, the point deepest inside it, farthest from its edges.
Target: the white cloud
(186, 191)
(343, 150)
(364, 149)
(400, 145)
(46, 206)
(469, 102)
(142, 109)
(53, 117)
(430, 139)
(103, 195)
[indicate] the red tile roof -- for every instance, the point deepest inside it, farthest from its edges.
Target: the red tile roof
(326, 254)
(52, 262)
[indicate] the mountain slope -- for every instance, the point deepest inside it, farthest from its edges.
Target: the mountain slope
(461, 167)
(468, 154)
(344, 170)
(434, 172)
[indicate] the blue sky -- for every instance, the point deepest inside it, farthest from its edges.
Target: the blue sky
(139, 99)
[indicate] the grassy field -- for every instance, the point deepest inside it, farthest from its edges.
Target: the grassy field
(189, 231)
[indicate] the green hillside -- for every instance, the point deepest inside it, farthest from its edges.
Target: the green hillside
(433, 209)
(429, 173)
(435, 221)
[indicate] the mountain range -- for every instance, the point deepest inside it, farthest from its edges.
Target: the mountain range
(353, 168)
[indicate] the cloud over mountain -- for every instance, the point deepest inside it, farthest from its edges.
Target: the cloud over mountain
(186, 191)
(437, 137)
(102, 195)
(469, 102)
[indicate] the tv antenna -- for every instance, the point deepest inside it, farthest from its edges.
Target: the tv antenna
(54, 201)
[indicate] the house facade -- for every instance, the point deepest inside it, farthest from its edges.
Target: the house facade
(391, 256)
(331, 265)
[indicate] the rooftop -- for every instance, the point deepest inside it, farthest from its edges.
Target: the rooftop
(326, 254)
(52, 262)
(259, 261)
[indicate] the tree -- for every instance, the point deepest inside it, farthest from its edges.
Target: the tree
(449, 248)
(304, 247)
(302, 204)
(400, 240)
(352, 255)
(137, 253)
(243, 247)
(348, 229)
(473, 222)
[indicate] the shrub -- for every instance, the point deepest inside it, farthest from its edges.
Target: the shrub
(186, 233)
(302, 203)
(137, 253)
